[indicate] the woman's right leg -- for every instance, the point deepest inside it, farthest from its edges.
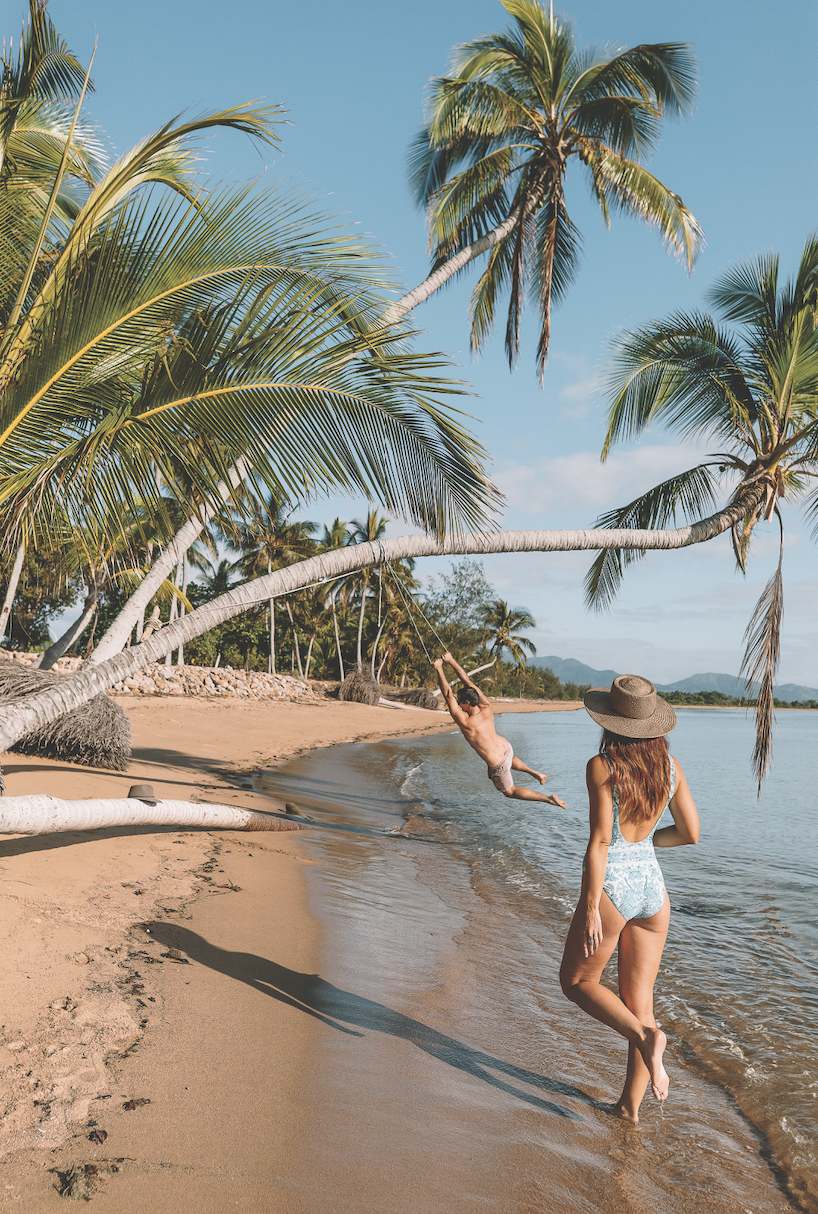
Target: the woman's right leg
(640, 951)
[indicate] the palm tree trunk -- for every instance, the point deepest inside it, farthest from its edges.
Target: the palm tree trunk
(375, 648)
(296, 650)
(271, 662)
(117, 635)
(442, 274)
(180, 653)
(173, 612)
(33, 712)
(308, 658)
(14, 581)
(337, 637)
(55, 651)
(364, 589)
(43, 815)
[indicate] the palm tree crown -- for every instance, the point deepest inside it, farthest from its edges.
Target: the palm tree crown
(754, 393)
(490, 166)
(501, 623)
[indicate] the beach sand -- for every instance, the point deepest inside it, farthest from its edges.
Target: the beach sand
(190, 1024)
(92, 1016)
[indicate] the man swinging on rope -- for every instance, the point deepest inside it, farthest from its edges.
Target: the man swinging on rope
(472, 712)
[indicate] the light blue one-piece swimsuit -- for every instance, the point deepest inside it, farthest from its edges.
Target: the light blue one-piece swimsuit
(633, 878)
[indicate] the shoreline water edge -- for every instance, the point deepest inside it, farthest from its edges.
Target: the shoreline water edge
(387, 1037)
(434, 950)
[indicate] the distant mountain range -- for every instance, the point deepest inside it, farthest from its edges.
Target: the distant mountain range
(569, 670)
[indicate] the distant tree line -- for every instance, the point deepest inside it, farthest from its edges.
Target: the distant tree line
(717, 699)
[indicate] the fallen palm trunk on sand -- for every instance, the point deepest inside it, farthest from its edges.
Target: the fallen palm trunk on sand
(42, 815)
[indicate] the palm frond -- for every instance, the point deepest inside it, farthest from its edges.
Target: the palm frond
(683, 372)
(760, 662)
(556, 264)
(691, 494)
(637, 192)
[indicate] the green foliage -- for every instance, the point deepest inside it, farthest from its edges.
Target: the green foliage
(717, 699)
(752, 391)
(44, 590)
(501, 131)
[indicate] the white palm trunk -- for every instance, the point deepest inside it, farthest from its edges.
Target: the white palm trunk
(14, 581)
(23, 716)
(180, 653)
(42, 815)
(442, 274)
(337, 637)
(55, 651)
(134, 610)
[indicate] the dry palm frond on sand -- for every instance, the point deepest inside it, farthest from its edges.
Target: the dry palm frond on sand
(96, 735)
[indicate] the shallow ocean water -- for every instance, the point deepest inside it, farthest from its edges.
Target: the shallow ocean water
(737, 990)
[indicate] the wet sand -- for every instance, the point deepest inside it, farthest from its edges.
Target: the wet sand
(93, 1016)
(448, 1072)
(359, 1041)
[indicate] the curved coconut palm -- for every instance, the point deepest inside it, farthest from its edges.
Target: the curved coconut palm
(267, 537)
(336, 536)
(501, 623)
(370, 530)
(752, 391)
(36, 711)
(490, 167)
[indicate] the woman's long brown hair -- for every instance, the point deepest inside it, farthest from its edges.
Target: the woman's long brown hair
(640, 769)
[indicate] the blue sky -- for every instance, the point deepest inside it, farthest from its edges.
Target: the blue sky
(352, 78)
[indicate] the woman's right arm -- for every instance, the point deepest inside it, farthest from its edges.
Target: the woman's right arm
(685, 816)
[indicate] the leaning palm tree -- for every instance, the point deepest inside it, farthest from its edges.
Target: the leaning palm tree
(752, 392)
(336, 536)
(501, 624)
(370, 530)
(268, 537)
(23, 716)
(490, 166)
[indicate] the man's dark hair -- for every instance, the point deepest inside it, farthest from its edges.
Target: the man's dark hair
(467, 695)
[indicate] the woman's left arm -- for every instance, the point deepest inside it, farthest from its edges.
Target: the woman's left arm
(598, 779)
(685, 816)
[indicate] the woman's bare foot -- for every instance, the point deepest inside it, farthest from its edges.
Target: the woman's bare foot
(652, 1049)
(628, 1115)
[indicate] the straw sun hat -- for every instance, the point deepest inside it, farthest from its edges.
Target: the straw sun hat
(631, 708)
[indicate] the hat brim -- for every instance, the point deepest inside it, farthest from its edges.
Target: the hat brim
(598, 705)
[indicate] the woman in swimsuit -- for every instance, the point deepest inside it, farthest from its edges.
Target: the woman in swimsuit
(624, 902)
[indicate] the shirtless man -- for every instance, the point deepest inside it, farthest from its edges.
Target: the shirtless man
(472, 712)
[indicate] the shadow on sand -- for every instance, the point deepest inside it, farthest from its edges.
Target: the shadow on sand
(340, 1009)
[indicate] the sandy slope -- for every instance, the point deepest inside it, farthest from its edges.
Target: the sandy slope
(93, 1015)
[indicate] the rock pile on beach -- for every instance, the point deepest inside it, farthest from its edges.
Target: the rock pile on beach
(161, 680)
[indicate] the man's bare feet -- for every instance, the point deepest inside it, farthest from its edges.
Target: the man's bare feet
(652, 1049)
(542, 778)
(555, 801)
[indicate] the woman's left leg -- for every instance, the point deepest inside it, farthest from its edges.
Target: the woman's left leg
(580, 980)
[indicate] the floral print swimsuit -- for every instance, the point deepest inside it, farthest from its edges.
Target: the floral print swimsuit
(633, 878)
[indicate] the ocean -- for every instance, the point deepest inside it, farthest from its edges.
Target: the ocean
(737, 992)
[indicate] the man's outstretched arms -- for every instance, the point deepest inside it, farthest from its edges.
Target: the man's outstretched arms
(461, 674)
(448, 695)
